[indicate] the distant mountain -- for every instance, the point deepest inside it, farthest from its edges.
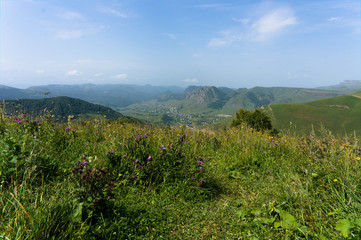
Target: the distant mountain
(341, 115)
(7, 93)
(111, 95)
(60, 108)
(353, 84)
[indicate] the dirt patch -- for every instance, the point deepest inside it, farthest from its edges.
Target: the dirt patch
(339, 106)
(357, 96)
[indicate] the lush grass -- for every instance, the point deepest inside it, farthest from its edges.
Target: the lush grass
(341, 115)
(109, 180)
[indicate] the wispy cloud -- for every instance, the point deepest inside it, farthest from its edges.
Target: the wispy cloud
(273, 23)
(84, 61)
(72, 73)
(262, 29)
(191, 80)
(69, 34)
(210, 5)
(170, 35)
(335, 19)
(114, 12)
(71, 15)
(120, 76)
(39, 71)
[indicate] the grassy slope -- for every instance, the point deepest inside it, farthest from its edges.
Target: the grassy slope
(256, 186)
(340, 115)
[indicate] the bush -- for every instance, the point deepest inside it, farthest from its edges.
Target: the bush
(256, 119)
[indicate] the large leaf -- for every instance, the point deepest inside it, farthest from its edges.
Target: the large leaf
(287, 221)
(344, 226)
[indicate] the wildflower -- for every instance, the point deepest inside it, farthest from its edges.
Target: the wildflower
(111, 152)
(335, 180)
(193, 178)
(149, 158)
(203, 180)
(124, 156)
(184, 142)
(134, 177)
(85, 163)
(77, 131)
(358, 158)
(83, 156)
(19, 121)
(40, 123)
(136, 161)
(68, 128)
(200, 162)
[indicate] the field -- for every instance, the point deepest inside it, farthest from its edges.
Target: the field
(116, 180)
(341, 115)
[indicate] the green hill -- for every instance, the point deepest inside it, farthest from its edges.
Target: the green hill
(340, 115)
(60, 108)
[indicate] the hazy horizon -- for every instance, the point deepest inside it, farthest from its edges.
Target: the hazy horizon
(236, 44)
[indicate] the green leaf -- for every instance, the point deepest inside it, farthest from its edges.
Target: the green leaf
(344, 226)
(287, 221)
(241, 213)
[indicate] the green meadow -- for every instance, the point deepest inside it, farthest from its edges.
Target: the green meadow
(115, 180)
(340, 115)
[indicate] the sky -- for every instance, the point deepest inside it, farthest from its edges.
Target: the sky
(230, 43)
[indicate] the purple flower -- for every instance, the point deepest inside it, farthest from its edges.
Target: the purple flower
(106, 154)
(136, 161)
(134, 177)
(23, 115)
(184, 142)
(111, 152)
(203, 180)
(193, 178)
(35, 121)
(83, 156)
(180, 137)
(124, 156)
(85, 163)
(68, 128)
(40, 123)
(201, 168)
(19, 121)
(77, 131)
(200, 162)
(149, 158)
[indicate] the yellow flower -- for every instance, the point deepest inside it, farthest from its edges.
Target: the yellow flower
(335, 180)
(358, 158)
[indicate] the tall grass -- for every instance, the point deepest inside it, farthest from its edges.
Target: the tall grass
(114, 180)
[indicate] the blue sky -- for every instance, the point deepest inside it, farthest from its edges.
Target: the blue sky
(242, 43)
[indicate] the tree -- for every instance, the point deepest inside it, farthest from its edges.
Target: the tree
(256, 119)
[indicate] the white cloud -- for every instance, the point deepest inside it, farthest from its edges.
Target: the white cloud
(335, 19)
(72, 73)
(70, 15)
(191, 80)
(40, 71)
(244, 21)
(228, 37)
(69, 34)
(273, 23)
(263, 29)
(121, 76)
(114, 12)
